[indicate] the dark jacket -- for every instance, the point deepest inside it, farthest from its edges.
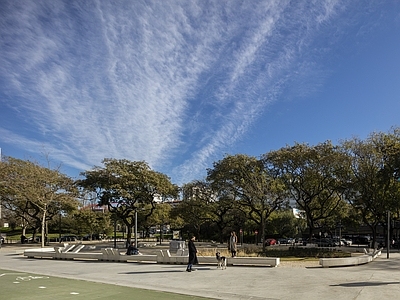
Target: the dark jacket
(132, 250)
(192, 253)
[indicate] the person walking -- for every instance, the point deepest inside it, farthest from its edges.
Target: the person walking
(192, 254)
(233, 243)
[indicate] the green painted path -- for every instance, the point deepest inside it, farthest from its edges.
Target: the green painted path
(17, 285)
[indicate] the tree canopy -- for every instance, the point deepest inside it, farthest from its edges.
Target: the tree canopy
(35, 193)
(246, 180)
(125, 186)
(312, 176)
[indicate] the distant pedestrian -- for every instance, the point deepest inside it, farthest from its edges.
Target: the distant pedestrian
(192, 254)
(233, 243)
(132, 250)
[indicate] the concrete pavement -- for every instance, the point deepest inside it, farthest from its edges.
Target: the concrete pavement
(377, 280)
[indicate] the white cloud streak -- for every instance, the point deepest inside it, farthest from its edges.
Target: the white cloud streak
(174, 83)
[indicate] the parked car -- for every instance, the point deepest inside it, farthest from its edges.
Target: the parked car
(269, 242)
(347, 242)
(91, 237)
(68, 238)
(30, 239)
(380, 242)
(362, 240)
(396, 244)
(325, 242)
(283, 241)
(339, 242)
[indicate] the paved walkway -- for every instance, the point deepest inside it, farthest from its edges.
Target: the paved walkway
(377, 280)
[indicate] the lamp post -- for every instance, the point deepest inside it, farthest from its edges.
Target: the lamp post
(136, 244)
(1, 237)
(388, 235)
(115, 231)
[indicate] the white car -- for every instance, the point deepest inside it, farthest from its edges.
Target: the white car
(347, 242)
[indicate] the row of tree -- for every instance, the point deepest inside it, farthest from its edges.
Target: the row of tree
(353, 182)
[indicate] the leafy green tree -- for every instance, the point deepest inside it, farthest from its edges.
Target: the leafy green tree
(160, 217)
(194, 207)
(312, 176)
(87, 221)
(125, 186)
(372, 187)
(36, 193)
(246, 180)
(204, 207)
(389, 145)
(283, 223)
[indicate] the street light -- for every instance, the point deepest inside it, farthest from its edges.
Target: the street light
(1, 237)
(136, 244)
(388, 235)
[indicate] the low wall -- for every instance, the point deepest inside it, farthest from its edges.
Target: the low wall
(110, 254)
(105, 255)
(254, 261)
(350, 261)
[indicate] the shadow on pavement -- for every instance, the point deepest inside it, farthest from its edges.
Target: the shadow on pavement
(364, 283)
(165, 271)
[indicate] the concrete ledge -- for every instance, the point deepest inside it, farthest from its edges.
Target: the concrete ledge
(167, 258)
(140, 258)
(254, 261)
(350, 261)
(211, 260)
(345, 261)
(39, 250)
(110, 254)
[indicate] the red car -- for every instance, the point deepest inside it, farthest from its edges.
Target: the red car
(269, 242)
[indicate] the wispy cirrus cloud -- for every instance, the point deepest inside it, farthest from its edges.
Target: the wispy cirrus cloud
(174, 83)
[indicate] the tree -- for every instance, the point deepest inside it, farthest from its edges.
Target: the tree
(312, 175)
(283, 223)
(193, 209)
(126, 186)
(160, 217)
(35, 192)
(204, 207)
(372, 187)
(245, 179)
(93, 223)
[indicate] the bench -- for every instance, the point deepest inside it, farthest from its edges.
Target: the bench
(211, 260)
(254, 261)
(111, 254)
(350, 261)
(107, 254)
(167, 258)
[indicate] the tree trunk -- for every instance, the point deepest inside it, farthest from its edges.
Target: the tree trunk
(129, 235)
(263, 231)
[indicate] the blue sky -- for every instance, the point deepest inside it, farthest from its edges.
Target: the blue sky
(179, 84)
